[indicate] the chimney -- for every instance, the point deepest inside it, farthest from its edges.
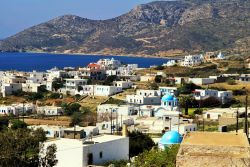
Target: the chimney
(124, 130)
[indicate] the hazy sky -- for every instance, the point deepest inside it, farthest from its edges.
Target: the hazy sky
(16, 15)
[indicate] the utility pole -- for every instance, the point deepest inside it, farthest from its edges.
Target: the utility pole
(246, 117)
(74, 131)
(23, 111)
(111, 121)
(237, 121)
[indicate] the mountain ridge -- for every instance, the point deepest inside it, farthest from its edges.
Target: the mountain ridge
(159, 28)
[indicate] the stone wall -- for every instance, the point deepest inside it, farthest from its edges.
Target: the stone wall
(211, 156)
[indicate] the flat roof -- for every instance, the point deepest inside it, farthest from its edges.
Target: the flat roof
(216, 139)
(65, 142)
(225, 110)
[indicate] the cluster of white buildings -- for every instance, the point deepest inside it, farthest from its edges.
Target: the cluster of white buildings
(24, 108)
(222, 96)
(195, 60)
(75, 80)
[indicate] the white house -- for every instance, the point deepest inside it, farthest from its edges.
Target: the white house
(170, 63)
(244, 78)
(95, 151)
(50, 110)
(109, 63)
(124, 110)
(220, 56)
(50, 131)
(192, 60)
(16, 109)
(99, 90)
(30, 87)
(36, 77)
(123, 84)
(216, 113)
(74, 83)
(223, 96)
(9, 88)
(201, 81)
(168, 90)
(143, 100)
(144, 97)
(147, 77)
(183, 128)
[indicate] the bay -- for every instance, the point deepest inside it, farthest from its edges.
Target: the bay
(45, 61)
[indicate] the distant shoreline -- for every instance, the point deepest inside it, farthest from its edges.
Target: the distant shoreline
(95, 54)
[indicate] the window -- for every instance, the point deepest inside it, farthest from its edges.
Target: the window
(100, 154)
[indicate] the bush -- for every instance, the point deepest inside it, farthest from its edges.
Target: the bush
(198, 111)
(159, 68)
(153, 86)
(210, 102)
(239, 92)
(191, 102)
(69, 109)
(4, 122)
(17, 124)
(35, 96)
(158, 78)
(138, 142)
(231, 82)
(55, 96)
(188, 88)
(156, 157)
(121, 163)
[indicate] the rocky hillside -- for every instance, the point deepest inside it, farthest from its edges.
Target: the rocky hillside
(159, 28)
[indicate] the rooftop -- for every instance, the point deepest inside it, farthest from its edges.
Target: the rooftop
(65, 142)
(216, 139)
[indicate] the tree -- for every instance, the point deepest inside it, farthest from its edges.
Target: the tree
(156, 158)
(159, 68)
(55, 95)
(69, 109)
(23, 149)
(138, 142)
(231, 81)
(188, 88)
(35, 96)
(57, 84)
(153, 86)
(17, 124)
(48, 157)
(110, 79)
(76, 118)
(158, 78)
(42, 89)
(4, 122)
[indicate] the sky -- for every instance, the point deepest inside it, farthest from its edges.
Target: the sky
(17, 15)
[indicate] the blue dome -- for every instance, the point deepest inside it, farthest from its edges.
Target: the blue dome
(171, 137)
(167, 98)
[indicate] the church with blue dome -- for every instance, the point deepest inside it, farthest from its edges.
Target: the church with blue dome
(169, 104)
(170, 138)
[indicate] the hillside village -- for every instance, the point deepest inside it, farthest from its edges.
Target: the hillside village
(89, 112)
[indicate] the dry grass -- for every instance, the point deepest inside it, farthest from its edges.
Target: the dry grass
(11, 100)
(122, 95)
(92, 103)
(238, 86)
(58, 122)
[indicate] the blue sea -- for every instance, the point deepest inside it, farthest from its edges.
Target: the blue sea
(44, 61)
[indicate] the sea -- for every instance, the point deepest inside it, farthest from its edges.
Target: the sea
(44, 61)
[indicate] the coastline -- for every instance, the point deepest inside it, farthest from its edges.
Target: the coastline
(101, 54)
